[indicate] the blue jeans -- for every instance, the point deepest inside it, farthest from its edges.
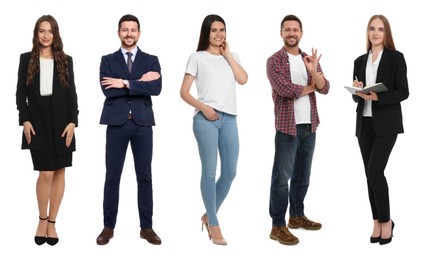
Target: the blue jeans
(213, 137)
(293, 159)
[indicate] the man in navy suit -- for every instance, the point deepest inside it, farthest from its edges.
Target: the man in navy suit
(128, 78)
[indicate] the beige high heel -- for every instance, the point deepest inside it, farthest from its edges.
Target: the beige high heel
(218, 240)
(216, 236)
(204, 220)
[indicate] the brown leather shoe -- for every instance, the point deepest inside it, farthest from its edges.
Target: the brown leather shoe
(303, 222)
(283, 235)
(105, 236)
(150, 236)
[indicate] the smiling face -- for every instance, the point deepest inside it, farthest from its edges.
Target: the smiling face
(217, 34)
(291, 33)
(376, 32)
(45, 34)
(129, 34)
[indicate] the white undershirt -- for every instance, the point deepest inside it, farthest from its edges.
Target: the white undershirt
(371, 72)
(46, 77)
(299, 76)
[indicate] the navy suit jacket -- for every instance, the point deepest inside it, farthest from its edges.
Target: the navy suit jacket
(386, 112)
(29, 103)
(120, 101)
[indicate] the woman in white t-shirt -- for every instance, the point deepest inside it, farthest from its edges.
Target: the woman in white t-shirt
(215, 71)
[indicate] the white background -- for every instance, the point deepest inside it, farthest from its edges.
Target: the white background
(170, 29)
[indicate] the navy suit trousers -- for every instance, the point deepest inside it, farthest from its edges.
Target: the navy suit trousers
(117, 140)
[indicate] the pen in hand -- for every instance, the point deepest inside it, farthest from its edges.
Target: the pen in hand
(358, 83)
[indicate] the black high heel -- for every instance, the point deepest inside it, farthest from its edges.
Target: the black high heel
(39, 240)
(384, 241)
(52, 240)
(375, 239)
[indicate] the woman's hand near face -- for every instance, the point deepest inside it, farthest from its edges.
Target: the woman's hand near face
(224, 49)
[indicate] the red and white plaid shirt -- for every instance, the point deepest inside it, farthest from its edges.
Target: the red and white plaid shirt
(284, 93)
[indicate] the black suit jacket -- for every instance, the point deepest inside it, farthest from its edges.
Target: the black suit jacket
(64, 101)
(386, 112)
(120, 101)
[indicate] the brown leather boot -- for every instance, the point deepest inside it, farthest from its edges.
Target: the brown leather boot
(303, 222)
(283, 235)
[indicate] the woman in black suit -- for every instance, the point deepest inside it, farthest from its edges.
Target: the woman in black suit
(47, 103)
(379, 117)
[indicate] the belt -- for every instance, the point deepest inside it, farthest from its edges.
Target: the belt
(130, 116)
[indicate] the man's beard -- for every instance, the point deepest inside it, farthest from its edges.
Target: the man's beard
(292, 44)
(124, 43)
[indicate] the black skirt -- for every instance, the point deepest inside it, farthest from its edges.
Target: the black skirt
(47, 158)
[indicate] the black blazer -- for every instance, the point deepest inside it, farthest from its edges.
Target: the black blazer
(64, 101)
(120, 101)
(386, 112)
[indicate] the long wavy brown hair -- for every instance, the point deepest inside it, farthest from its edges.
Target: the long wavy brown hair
(59, 55)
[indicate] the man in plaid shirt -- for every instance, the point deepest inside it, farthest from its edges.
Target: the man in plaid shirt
(294, 77)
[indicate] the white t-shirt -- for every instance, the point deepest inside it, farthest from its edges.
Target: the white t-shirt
(214, 79)
(299, 76)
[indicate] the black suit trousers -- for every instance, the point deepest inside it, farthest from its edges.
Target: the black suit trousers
(375, 152)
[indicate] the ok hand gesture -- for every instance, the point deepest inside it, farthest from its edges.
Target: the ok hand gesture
(312, 61)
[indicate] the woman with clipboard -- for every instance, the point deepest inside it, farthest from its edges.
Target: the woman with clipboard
(379, 117)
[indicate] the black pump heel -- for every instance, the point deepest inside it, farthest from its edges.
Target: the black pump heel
(39, 240)
(52, 240)
(375, 239)
(384, 241)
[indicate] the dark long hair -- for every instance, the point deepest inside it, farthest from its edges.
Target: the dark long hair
(388, 36)
(59, 55)
(204, 37)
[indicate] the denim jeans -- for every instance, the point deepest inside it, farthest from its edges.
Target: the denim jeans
(216, 137)
(293, 159)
